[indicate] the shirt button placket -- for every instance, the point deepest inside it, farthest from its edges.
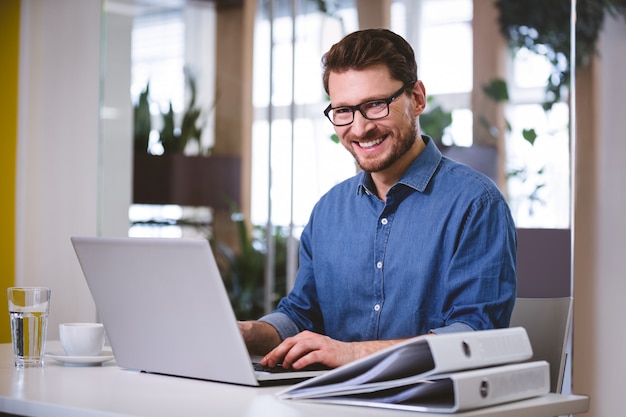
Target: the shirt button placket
(379, 265)
(381, 237)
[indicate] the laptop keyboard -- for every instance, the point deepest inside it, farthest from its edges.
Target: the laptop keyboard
(279, 369)
(275, 370)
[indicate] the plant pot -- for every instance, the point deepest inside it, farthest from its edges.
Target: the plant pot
(208, 181)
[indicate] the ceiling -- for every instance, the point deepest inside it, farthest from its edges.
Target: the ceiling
(149, 4)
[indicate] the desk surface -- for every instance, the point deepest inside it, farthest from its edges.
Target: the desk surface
(107, 391)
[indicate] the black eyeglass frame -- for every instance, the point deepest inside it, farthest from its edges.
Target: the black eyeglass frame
(358, 107)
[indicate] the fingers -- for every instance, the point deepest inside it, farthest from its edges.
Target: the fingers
(304, 351)
(279, 354)
(299, 351)
(243, 327)
(260, 337)
(308, 348)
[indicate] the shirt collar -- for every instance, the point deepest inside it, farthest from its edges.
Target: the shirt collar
(419, 173)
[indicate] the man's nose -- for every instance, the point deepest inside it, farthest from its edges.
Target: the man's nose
(360, 124)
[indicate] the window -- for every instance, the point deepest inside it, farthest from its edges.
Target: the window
(440, 32)
(537, 187)
(539, 172)
(165, 43)
(294, 160)
(158, 58)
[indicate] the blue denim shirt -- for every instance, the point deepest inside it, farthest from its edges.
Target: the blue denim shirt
(439, 255)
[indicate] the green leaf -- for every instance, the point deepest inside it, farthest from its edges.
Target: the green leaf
(497, 90)
(529, 135)
(435, 121)
(142, 121)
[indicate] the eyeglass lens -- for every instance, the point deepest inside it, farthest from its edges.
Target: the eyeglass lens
(371, 110)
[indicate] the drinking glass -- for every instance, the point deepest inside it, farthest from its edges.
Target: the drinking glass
(28, 308)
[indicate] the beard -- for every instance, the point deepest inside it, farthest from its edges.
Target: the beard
(397, 148)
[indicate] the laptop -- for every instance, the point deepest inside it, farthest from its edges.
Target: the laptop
(165, 310)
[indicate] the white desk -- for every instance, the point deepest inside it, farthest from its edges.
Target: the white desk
(107, 391)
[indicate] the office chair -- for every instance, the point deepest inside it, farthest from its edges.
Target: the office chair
(547, 322)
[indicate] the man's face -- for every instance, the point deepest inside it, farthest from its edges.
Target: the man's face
(376, 144)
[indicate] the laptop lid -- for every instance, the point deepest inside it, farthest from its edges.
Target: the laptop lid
(165, 309)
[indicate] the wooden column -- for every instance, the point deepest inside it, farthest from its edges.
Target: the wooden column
(228, 126)
(489, 63)
(374, 13)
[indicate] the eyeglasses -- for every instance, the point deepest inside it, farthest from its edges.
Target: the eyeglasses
(371, 110)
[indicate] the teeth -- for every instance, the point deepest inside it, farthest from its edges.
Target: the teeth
(370, 143)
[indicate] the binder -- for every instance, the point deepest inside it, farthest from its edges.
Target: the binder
(458, 391)
(415, 360)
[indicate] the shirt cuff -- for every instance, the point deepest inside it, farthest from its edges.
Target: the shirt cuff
(282, 323)
(453, 328)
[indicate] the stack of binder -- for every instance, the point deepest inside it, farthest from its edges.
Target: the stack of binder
(436, 373)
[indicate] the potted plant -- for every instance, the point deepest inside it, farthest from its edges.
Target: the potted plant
(243, 270)
(177, 176)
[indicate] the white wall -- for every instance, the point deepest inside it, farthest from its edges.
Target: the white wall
(57, 161)
(599, 365)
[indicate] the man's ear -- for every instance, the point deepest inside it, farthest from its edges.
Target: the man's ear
(419, 96)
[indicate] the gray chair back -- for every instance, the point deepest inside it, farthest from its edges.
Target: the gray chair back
(547, 322)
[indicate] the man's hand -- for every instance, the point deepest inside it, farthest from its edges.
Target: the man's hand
(260, 337)
(308, 348)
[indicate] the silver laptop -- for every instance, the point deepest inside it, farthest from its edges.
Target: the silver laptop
(165, 309)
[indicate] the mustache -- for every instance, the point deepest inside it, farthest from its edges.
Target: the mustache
(370, 135)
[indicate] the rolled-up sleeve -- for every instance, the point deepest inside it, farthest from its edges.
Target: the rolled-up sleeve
(282, 323)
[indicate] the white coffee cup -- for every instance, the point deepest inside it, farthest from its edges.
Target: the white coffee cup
(82, 339)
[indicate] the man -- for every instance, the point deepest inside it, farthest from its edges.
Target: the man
(413, 244)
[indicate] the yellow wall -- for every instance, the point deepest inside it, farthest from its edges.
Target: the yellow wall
(9, 52)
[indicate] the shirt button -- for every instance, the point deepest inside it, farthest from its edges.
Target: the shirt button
(384, 221)
(379, 264)
(377, 307)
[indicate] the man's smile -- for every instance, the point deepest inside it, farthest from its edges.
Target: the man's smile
(370, 143)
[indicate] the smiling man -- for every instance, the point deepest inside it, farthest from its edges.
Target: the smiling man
(413, 244)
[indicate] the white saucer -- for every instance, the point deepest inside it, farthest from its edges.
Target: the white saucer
(104, 356)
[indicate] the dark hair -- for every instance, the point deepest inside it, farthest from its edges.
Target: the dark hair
(369, 47)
